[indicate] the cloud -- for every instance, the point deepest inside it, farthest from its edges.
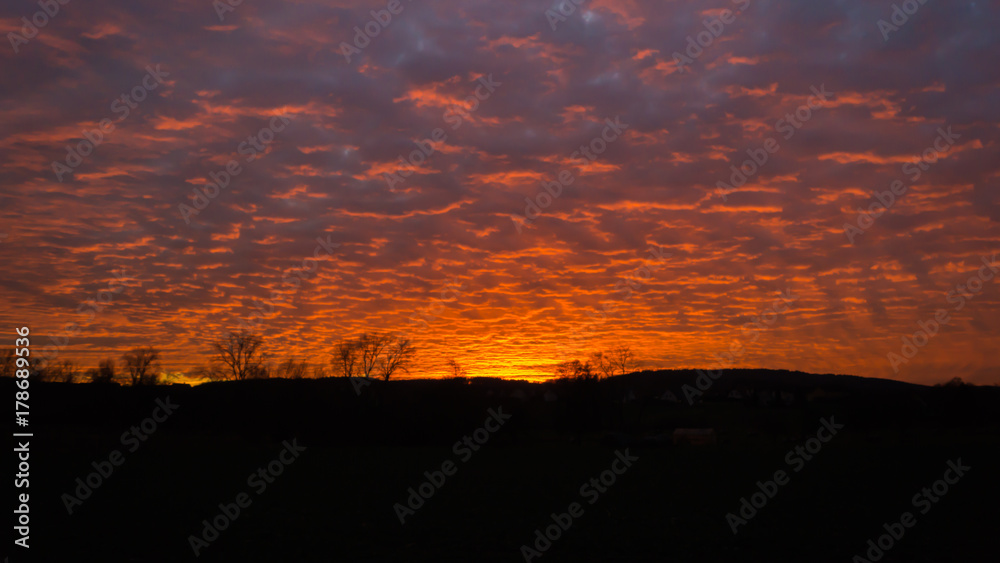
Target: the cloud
(323, 175)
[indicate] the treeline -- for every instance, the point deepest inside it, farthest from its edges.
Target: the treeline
(617, 361)
(237, 356)
(242, 355)
(137, 367)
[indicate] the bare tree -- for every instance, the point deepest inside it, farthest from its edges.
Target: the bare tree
(601, 363)
(622, 360)
(574, 370)
(140, 365)
(345, 358)
(64, 371)
(456, 368)
(39, 367)
(240, 354)
(212, 372)
(106, 369)
(7, 362)
(291, 369)
(105, 372)
(263, 370)
(372, 353)
(398, 355)
(319, 371)
(371, 347)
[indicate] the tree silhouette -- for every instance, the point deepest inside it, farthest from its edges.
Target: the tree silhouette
(64, 371)
(212, 372)
(617, 361)
(574, 370)
(953, 382)
(241, 356)
(456, 369)
(7, 362)
(319, 371)
(602, 365)
(622, 360)
(397, 355)
(262, 370)
(140, 365)
(370, 347)
(372, 353)
(291, 369)
(345, 358)
(105, 372)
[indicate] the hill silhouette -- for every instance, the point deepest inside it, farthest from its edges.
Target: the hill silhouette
(366, 447)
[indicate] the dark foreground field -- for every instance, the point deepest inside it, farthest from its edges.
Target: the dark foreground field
(335, 500)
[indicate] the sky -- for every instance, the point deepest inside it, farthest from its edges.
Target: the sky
(779, 184)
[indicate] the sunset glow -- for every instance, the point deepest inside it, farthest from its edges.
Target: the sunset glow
(415, 170)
